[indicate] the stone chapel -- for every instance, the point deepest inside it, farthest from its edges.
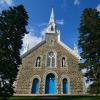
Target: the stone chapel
(51, 67)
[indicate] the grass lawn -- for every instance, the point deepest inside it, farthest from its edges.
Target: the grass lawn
(54, 98)
(80, 98)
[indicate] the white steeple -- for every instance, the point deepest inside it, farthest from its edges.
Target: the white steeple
(52, 19)
(52, 28)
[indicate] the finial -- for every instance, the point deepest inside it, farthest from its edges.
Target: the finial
(75, 48)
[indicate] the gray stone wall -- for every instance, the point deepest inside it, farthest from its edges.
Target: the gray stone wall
(28, 71)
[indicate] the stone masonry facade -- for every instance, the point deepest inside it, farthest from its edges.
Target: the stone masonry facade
(28, 72)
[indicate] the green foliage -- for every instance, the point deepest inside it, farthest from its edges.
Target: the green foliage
(89, 41)
(12, 29)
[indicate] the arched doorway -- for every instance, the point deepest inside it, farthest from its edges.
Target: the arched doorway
(50, 84)
(65, 86)
(35, 86)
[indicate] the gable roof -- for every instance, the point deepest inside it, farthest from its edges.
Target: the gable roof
(70, 50)
(35, 47)
(60, 42)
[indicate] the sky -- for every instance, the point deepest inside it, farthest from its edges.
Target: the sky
(67, 16)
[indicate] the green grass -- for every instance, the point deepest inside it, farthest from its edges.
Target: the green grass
(57, 98)
(80, 98)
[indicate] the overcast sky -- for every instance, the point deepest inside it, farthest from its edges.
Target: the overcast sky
(67, 15)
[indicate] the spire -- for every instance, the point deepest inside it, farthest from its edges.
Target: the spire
(52, 27)
(52, 20)
(76, 48)
(76, 51)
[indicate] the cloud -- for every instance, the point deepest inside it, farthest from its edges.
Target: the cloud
(60, 22)
(87, 84)
(43, 31)
(76, 2)
(5, 4)
(98, 7)
(29, 41)
(44, 27)
(42, 24)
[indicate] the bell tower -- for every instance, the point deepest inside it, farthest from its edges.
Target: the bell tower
(52, 32)
(52, 27)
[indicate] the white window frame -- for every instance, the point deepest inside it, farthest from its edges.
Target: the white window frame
(36, 61)
(66, 62)
(51, 62)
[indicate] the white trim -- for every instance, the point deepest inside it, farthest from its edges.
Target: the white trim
(35, 47)
(41, 61)
(84, 87)
(31, 82)
(56, 79)
(66, 62)
(47, 58)
(60, 42)
(61, 80)
(69, 49)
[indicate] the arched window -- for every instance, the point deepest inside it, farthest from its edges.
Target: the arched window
(35, 86)
(52, 29)
(38, 62)
(52, 42)
(55, 27)
(51, 59)
(65, 86)
(63, 62)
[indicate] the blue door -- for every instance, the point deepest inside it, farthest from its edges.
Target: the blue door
(35, 86)
(65, 86)
(50, 87)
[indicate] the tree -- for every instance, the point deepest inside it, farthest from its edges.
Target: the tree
(89, 41)
(12, 29)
